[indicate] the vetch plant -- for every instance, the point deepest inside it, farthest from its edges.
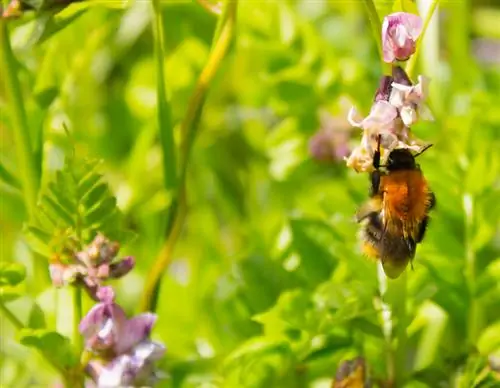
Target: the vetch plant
(120, 349)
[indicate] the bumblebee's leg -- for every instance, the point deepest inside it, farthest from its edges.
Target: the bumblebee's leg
(432, 201)
(421, 230)
(376, 154)
(375, 175)
(375, 183)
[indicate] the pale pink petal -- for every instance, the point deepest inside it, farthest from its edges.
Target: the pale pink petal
(352, 120)
(134, 331)
(413, 24)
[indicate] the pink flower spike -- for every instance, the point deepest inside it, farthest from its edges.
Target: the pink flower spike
(400, 31)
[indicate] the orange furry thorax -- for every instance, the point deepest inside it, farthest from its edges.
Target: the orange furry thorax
(405, 201)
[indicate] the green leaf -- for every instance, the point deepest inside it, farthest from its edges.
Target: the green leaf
(11, 274)
(36, 319)
(76, 202)
(489, 341)
(9, 293)
(8, 178)
(54, 346)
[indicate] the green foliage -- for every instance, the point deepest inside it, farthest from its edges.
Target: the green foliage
(52, 344)
(73, 207)
(267, 286)
(11, 276)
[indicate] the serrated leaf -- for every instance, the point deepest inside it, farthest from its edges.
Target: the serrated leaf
(11, 274)
(94, 195)
(100, 211)
(87, 182)
(76, 198)
(61, 197)
(52, 344)
(58, 210)
(8, 293)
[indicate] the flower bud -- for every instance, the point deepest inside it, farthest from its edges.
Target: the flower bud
(400, 31)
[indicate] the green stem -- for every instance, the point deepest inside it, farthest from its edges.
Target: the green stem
(77, 317)
(189, 129)
(25, 156)
(165, 126)
(377, 33)
(398, 293)
(410, 66)
(474, 312)
(10, 316)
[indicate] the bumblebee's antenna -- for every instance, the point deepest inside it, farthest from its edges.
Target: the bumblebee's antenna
(426, 147)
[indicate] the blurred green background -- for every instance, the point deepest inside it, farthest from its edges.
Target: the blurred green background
(267, 287)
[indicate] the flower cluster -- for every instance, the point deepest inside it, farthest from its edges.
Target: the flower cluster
(118, 351)
(398, 103)
(91, 266)
(124, 353)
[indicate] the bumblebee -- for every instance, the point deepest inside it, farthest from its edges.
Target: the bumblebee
(396, 216)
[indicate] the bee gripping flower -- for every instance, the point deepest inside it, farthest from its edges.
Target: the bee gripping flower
(400, 31)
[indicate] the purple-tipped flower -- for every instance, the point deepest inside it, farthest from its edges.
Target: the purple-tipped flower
(135, 368)
(91, 266)
(400, 31)
(125, 352)
(108, 331)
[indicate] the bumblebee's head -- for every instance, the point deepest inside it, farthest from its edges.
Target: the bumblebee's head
(400, 159)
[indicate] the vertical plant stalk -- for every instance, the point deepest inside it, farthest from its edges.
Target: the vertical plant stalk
(377, 33)
(77, 317)
(410, 66)
(24, 151)
(165, 127)
(474, 316)
(189, 129)
(397, 293)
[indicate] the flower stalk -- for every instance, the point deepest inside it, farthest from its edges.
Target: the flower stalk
(189, 129)
(376, 29)
(410, 66)
(22, 141)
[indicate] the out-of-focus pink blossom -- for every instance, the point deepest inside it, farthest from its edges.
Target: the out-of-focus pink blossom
(400, 31)
(107, 329)
(330, 142)
(125, 353)
(135, 368)
(91, 266)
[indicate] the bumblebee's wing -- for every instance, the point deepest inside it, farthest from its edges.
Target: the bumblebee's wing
(373, 205)
(396, 254)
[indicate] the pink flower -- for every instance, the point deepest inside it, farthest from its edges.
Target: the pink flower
(381, 117)
(400, 31)
(136, 368)
(92, 266)
(409, 100)
(107, 330)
